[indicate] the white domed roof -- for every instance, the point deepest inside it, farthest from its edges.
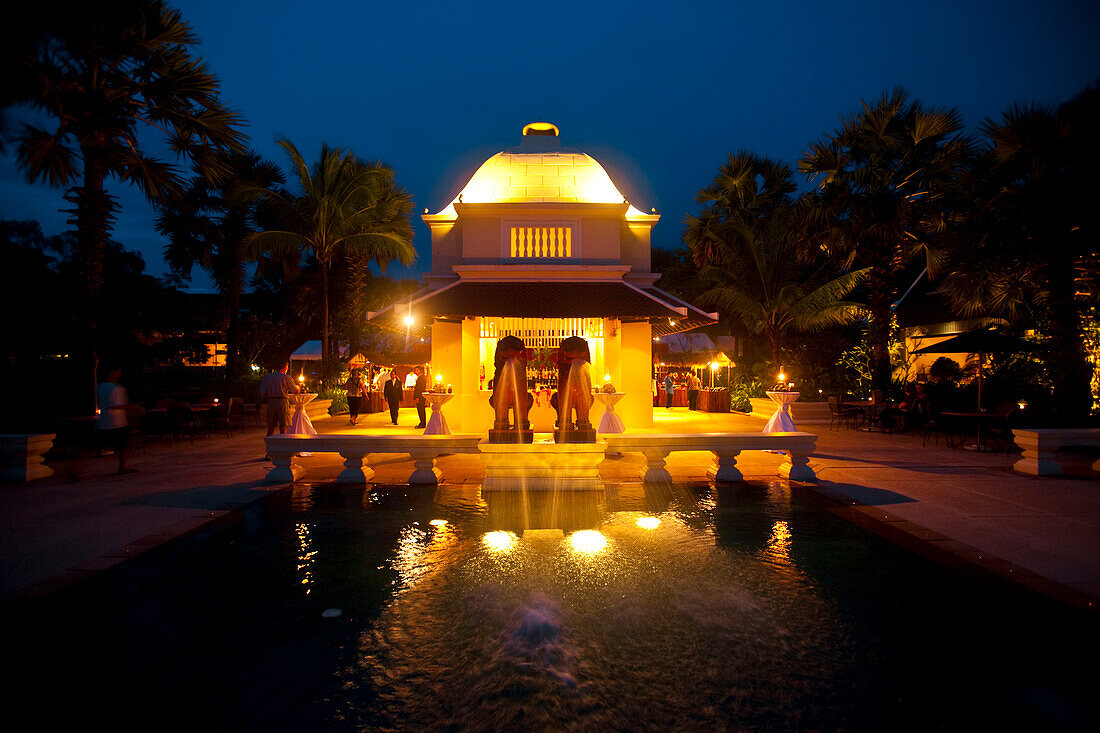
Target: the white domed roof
(539, 170)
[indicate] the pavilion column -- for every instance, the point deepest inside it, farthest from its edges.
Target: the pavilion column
(636, 364)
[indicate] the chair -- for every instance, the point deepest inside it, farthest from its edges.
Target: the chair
(217, 419)
(999, 428)
(252, 410)
(838, 413)
(181, 419)
(236, 412)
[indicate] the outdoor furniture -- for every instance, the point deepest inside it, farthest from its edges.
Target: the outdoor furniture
(840, 414)
(299, 422)
(713, 400)
(781, 421)
(437, 424)
(22, 456)
(181, 420)
(135, 418)
(217, 419)
(236, 413)
(993, 423)
(610, 422)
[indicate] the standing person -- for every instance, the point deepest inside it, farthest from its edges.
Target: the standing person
(392, 392)
(419, 389)
(356, 391)
(275, 388)
(112, 425)
(670, 387)
(693, 390)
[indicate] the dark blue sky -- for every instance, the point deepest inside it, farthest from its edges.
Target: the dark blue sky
(659, 93)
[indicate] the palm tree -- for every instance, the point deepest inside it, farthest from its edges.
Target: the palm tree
(885, 183)
(105, 73)
(1027, 245)
(346, 208)
(208, 225)
(762, 280)
(748, 187)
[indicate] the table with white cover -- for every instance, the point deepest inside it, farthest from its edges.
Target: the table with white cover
(437, 424)
(610, 422)
(781, 421)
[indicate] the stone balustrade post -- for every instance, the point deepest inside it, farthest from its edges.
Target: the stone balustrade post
(725, 466)
(283, 451)
(655, 472)
(424, 468)
(797, 465)
(23, 456)
(354, 471)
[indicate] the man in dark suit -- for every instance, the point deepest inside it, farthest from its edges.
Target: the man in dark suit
(392, 394)
(418, 395)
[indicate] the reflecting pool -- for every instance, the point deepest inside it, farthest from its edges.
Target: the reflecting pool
(684, 608)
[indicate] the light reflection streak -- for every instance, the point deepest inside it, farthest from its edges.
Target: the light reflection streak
(648, 522)
(499, 541)
(779, 544)
(306, 555)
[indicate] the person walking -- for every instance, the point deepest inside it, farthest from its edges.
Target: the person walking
(670, 388)
(356, 390)
(275, 388)
(693, 390)
(392, 393)
(419, 389)
(112, 424)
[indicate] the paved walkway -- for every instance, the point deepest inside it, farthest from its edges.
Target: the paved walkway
(953, 505)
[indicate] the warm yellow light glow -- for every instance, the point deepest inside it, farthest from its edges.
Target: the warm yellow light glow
(648, 522)
(302, 377)
(535, 128)
(782, 376)
(542, 177)
(587, 542)
(438, 378)
(409, 320)
(713, 366)
(438, 522)
(607, 377)
(499, 541)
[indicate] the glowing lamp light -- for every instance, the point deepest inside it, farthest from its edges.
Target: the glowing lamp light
(499, 541)
(648, 522)
(1022, 404)
(409, 320)
(607, 377)
(302, 378)
(782, 377)
(438, 522)
(438, 379)
(714, 366)
(587, 542)
(215, 400)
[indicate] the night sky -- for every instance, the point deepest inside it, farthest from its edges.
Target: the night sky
(659, 93)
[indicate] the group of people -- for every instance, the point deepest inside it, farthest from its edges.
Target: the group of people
(392, 392)
(912, 410)
(693, 385)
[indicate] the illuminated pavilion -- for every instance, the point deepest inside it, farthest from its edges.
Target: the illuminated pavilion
(541, 244)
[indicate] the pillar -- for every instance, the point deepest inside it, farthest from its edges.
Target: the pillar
(635, 346)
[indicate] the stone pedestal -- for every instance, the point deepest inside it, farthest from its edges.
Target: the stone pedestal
(541, 466)
(22, 456)
(576, 435)
(511, 436)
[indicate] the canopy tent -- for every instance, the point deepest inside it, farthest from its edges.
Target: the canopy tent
(311, 351)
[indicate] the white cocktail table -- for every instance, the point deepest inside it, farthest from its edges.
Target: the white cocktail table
(610, 422)
(781, 421)
(437, 424)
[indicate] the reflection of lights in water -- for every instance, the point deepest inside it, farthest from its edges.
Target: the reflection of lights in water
(305, 554)
(779, 544)
(587, 542)
(648, 522)
(438, 522)
(499, 541)
(408, 559)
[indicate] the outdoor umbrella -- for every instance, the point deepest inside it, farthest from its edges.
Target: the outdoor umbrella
(981, 342)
